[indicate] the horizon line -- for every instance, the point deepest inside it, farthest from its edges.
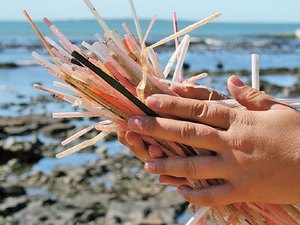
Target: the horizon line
(148, 19)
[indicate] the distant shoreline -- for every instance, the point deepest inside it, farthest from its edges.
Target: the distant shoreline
(243, 72)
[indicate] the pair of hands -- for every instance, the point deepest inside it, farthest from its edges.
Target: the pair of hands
(257, 150)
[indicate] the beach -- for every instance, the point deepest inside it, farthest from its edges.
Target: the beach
(105, 183)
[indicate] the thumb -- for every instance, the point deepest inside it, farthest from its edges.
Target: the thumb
(249, 97)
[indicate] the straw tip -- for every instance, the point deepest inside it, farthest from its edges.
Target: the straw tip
(46, 21)
(59, 155)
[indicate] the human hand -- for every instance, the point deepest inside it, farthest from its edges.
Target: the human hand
(134, 141)
(257, 152)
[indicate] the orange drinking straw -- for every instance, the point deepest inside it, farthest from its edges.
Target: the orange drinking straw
(39, 34)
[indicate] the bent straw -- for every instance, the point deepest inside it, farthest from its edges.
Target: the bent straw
(186, 30)
(39, 34)
(142, 84)
(83, 132)
(255, 71)
(82, 145)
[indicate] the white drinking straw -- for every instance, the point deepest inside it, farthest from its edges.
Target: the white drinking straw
(198, 215)
(82, 145)
(173, 58)
(186, 30)
(136, 21)
(103, 24)
(255, 71)
(181, 59)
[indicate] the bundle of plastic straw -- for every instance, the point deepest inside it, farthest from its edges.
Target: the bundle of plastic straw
(110, 79)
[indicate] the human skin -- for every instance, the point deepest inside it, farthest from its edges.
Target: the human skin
(257, 151)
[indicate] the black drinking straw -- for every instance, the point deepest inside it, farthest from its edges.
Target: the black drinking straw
(115, 84)
(120, 88)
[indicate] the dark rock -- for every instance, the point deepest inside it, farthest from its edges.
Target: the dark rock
(59, 173)
(49, 201)
(270, 88)
(111, 137)
(8, 65)
(87, 216)
(12, 191)
(58, 130)
(25, 152)
(12, 205)
(21, 130)
(43, 218)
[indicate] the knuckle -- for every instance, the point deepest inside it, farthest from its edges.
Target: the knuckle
(205, 198)
(169, 103)
(189, 168)
(253, 95)
(160, 167)
(149, 124)
(199, 110)
(187, 131)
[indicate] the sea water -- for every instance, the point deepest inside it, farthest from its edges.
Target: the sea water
(229, 43)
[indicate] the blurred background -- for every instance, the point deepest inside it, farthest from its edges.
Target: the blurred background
(105, 184)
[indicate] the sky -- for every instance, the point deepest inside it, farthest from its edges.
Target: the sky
(268, 11)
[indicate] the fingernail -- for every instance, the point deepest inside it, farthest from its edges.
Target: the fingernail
(236, 81)
(128, 139)
(135, 124)
(154, 102)
(150, 166)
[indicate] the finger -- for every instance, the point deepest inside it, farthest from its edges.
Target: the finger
(155, 152)
(173, 181)
(137, 146)
(195, 167)
(192, 134)
(198, 92)
(215, 195)
(193, 110)
(122, 139)
(251, 98)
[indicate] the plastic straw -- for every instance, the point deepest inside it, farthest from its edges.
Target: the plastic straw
(103, 24)
(149, 29)
(82, 145)
(181, 58)
(173, 59)
(39, 34)
(175, 28)
(198, 215)
(136, 22)
(255, 71)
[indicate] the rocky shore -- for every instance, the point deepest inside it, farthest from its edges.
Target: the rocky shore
(104, 184)
(110, 189)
